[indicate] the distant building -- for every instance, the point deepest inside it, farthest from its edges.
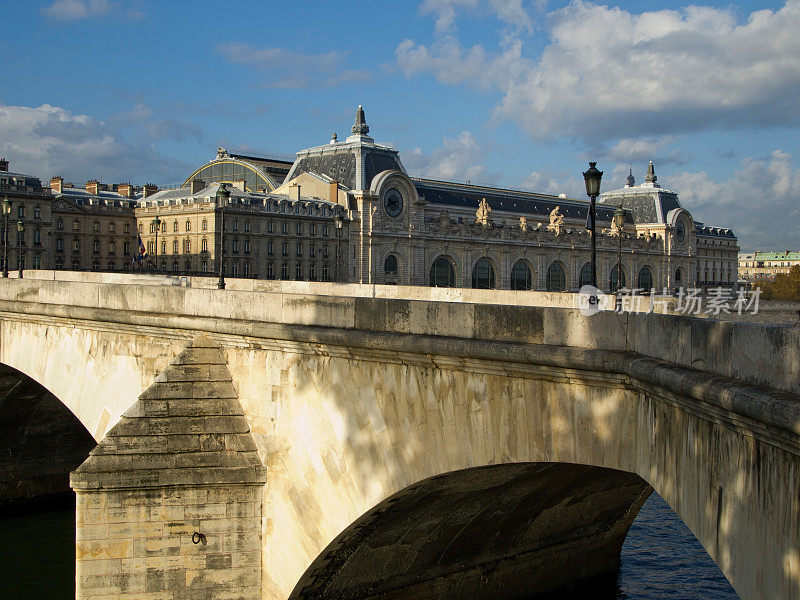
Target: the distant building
(348, 210)
(30, 209)
(765, 264)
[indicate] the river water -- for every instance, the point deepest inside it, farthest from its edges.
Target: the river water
(660, 559)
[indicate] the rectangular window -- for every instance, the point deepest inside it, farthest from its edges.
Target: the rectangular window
(247, 246)
(299, 249)
(284, 227)
(312, 229)
(270, 273)
(37, 213)
(312, 249)
(269, 248)
(269, 226)
(285, 249)
(325, 230)
(298, 272)
(299, 229)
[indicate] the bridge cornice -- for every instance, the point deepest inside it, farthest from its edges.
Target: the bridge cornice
(768, 414)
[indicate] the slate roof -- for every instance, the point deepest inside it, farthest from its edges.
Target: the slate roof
(518, 201)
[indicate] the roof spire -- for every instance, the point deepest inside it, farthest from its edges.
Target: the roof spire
(630, 181)
(651, 174)
(360, 126)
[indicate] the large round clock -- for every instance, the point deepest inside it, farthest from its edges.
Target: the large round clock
(680, 231)
(393, 202)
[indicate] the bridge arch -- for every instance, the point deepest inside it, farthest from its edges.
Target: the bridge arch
(41, 441)
(500, 531)
(355, 433)
(97, 371)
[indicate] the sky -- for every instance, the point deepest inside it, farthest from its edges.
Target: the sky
(513, 93)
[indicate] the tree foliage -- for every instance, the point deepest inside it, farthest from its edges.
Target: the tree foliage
(783, 287)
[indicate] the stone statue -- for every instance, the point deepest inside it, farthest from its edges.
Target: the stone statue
(523, 223)
(556, 220)
(483, 212)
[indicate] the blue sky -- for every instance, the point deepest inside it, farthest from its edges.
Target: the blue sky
(506, 92)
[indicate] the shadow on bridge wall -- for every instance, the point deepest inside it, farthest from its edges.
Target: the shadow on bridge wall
(41, 441)
(341, 430)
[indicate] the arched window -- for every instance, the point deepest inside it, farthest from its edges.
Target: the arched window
(483, 275)
(645, 279)
(678, 276)
(585, 278)
(205, 225)
(187, 266)
(205, 245)
(556, 278)
(612, 281)
(390, 265)
(442, 273)
(520, 276)
(188, 225)
(187, 246)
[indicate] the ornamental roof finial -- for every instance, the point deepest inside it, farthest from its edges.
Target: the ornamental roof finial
(630, 180)
(651, 173)
(360, 126)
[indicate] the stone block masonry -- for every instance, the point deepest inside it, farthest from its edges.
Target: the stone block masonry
(169, 503)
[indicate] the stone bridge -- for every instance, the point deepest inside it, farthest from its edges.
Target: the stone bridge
(273, 445)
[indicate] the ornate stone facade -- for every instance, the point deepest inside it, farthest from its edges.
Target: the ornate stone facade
(349, 211)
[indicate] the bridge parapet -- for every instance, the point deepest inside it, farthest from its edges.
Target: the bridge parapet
(767, 356)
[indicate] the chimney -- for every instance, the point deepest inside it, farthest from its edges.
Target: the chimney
(334, 192)
(294, 192)
(93, 186)
(195, 185)
(3, 164)
(149, 189)
(125, 189)
(56, 183)
(239, 184)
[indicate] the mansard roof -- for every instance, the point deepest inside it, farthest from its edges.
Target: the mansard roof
(353, 162)
(459, 195)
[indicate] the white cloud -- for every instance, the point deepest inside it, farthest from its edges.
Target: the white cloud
(607, 72)
(761, 202)
(289, 69)
(74, 10)
(645, 149)
(458, 158)
(510, 12)
(48, 140)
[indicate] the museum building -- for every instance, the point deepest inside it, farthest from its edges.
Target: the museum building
(348, 211)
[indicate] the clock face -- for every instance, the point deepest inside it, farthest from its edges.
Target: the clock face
(393, 202)
(680, 231)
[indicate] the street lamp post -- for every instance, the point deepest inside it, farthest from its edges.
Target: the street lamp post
(157, 223)
(619, 223)
(338, 221)
(223, 195)
(591, 178)
(20, 234)
(6, 213)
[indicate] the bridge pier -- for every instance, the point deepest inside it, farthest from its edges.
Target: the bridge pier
(169, 502)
